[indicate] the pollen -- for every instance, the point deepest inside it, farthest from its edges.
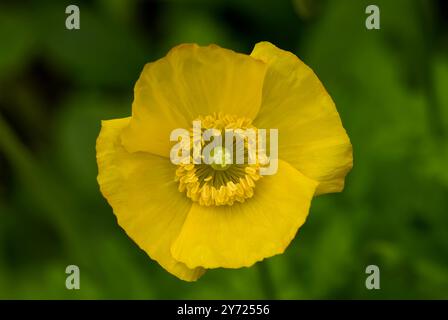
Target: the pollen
(222, 180)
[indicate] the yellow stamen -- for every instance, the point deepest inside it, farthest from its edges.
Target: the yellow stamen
(223, 182)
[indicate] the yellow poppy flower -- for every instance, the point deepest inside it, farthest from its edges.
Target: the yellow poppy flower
(193, 217)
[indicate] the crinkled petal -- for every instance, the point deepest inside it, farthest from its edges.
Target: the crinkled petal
(244, 233)
(141, 190)
(191, 81)
(311, 135)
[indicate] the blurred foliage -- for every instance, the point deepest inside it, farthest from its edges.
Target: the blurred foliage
(390, 86)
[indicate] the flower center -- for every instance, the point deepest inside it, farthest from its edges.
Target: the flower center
(221, 158)
(221, 180)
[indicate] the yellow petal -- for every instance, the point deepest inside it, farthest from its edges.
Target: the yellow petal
(191, 81)
(244, 233)
(311, 135)
(144, 197)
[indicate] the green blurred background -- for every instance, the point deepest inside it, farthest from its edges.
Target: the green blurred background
(390, 87)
